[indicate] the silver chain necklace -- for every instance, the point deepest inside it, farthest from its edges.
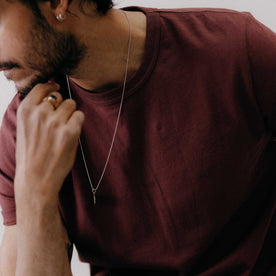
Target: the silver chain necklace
(94, 189)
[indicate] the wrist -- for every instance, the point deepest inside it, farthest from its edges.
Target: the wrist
(35, 215)
(35, 192)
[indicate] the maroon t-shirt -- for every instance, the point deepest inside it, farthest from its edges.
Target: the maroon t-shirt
(190, 186)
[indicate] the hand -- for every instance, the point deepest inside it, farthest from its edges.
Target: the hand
(47, 141)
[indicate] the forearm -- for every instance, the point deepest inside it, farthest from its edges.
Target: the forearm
(42, 246)
(46, 146)
(8, 251)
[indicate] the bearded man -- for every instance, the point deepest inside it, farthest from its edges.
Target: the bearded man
(145, 137)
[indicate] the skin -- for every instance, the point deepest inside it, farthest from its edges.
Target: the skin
(47, 139)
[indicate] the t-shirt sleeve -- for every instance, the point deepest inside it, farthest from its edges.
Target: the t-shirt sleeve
(261, 48)
(7, 162)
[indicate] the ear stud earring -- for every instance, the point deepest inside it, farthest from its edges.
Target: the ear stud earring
(60, 18)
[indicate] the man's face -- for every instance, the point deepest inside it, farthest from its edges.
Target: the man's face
(31, 51)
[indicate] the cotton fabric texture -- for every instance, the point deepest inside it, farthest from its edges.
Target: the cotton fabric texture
(190, 186)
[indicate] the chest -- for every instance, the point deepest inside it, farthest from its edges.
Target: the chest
(181, 164)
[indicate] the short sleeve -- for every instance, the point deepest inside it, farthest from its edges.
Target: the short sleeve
(7, 162)
(261, 48)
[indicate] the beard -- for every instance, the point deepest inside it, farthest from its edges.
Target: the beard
(50, 53)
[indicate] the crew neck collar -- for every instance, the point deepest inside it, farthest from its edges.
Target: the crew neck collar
(113, 96)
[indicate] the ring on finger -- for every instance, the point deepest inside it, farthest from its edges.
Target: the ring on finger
(52, 99)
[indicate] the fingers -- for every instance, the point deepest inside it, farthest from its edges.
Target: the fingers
(52, 101)
(39, 92)
(76, 121)
(48, 101)
(65, 110)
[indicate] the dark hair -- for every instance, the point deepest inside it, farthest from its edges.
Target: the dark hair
(102, 5)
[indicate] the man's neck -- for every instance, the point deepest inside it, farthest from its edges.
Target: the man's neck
(104, 63)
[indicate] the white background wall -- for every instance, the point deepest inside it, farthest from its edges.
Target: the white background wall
(263, 10)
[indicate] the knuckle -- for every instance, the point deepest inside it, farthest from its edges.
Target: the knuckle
(41, 112)
(67, 134)
(23, 111)
(52, 123)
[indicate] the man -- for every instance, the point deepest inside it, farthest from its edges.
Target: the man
(174, 172)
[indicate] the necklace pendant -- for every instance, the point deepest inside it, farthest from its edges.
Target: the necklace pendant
(94, 197)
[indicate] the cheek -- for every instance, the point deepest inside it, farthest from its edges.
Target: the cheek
(10, 47)
(13, 33)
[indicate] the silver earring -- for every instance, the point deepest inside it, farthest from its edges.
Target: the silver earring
(60, 18)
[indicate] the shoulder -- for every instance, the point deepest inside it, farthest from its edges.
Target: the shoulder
(202, 15)
(208, 25)
(205, 34)
(206, 22)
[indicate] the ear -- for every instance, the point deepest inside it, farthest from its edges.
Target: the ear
(60, 7)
